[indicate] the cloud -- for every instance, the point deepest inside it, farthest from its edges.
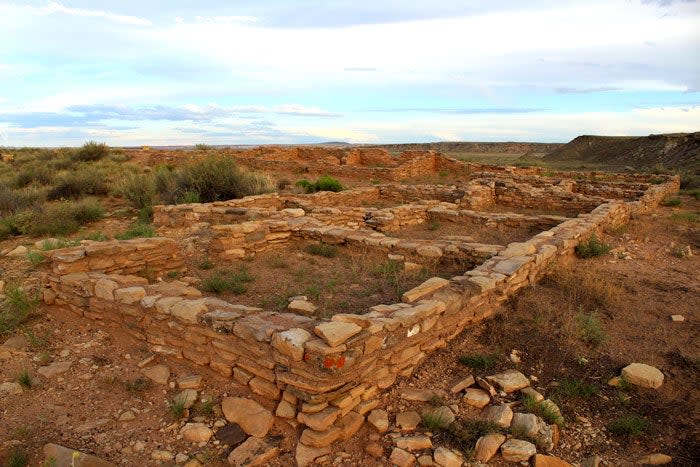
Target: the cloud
(303, 111)
(587, 90)
(56, 7)
(461, 111)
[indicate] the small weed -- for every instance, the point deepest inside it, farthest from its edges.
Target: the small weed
(206, 407)
(592, 248)
(479, 361)
(24, 379)
(140, 384)
(388, 268)
(190, 197)
(313, 291)
(544, 409)
(681, 251)
(35, 258)
(590, 328)
(137, 230)
(467, 432)
(437, 401)
(576, 388)
(629, 425)
(322, 249)
(95, 237)
(172, 274)
(671, 202)
(443, 174)
(656, 181)
(18, 458)
(38, 341)
(55, 244)
(177, 409)
(206, 264)
(16, 309)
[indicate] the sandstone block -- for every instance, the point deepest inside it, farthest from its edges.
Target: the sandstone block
(129, 295)
(476, 397)
(414, 443)
(517, 450)
(253, 452)
(379, 419)
(335, 332)
(643, 375)
(291, 342)
(501, 415)
(487, 446)
(196, 432)
(319, 421)
(252, 417)
(426, 288)
(402, 458)
(509, 381)
(448, 458)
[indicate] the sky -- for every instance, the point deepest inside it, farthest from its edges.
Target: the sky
(174, 72)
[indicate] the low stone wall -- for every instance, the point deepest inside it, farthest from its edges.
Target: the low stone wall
(326, 374)
(497, 221)
(149, 256)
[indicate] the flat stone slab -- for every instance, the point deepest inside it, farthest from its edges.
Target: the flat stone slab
(252, 417)
(476, 397)
(60, 456)
(426, 288)
(336, 332)
(509, 381)
(517, 450)
(253, 452)
(641, 374)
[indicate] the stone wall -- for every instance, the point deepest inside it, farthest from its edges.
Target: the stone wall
(146, 256)
(326, 374)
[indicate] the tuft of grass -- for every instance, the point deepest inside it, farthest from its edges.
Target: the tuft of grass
(592, 247)
(576, 388)
(177, 409)
(388, 268)
(57, 243)
(137, 230)
(206, 407)
(629, 425)
(479, 361)
(313, 291)
(590, 328)
(226, 280)
(434, 421)
(680, 251)
(138, 385)
(278, 262)
(322, 249)
(35, 257)
(466, 432)
(16, 309)
(95, 236)
(544, 409)
(172, 274)
(671, 202)
(18, 458)
(206, 264)
(24, 379)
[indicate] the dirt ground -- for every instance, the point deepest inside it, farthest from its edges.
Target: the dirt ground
(630, 299)
(351, 281)
(435, 230)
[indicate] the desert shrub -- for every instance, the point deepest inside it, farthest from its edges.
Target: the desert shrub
(165, 183)
(202, 147)
(323, 183)
(685, 217)
(35, 257)
(479, 361)
(18, 458)
(91, 151)
(86, 181)
(137, 189)
(327, 183)
(189, 197)
(33, 173)
(629, 425)
(283, 183)
(226, 280)
(217, 178)
(14, 200)
(137, 230)
(25, 379)
(592, 247)
(57, 218)
(322, 249)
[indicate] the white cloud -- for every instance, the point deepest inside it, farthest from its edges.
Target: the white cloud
(56, 7)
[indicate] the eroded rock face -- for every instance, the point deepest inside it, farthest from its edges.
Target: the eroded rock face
(252, 417)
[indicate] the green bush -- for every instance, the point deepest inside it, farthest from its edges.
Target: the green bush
(76, 184)
(324, 183)
(91, 151)
(592, 248)
(216, 178)
(33, 173)
(137, 189)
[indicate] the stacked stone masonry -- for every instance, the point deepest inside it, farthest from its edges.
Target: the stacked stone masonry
(299, 365)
